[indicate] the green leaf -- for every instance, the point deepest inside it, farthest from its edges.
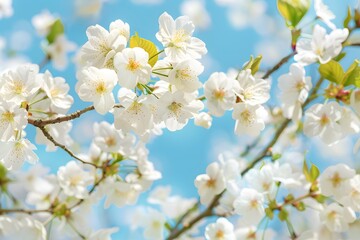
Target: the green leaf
(283, 215)
(314, 172)
(253, 64)
(300, 206)
(147, 45)
(306, 171)
(293, 11)
(320, 198)
(276, 156)
(332, 71)
(348, 18)
(352, 75)
(56, 29)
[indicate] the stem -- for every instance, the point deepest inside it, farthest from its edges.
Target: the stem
(278, 65)
(156, 54)
(160, 74)
(56, 143)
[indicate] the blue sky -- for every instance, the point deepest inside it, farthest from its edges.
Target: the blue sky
(182, 155)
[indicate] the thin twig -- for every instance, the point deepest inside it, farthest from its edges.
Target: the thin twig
(278, 65)
(56, 143)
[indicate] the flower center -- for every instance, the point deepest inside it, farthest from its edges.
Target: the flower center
(219, 94)
(183, 74)
(8, 116)
(175, 107)
(324, 120)
(100, 88)
(133, 65)
(211, 183)
(247, 118)
(220, 234)
(18, 87)
(336, 180)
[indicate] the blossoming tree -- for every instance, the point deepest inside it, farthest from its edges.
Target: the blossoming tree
(150, 88)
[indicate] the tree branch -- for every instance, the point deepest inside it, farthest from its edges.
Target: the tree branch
(278, 65)
(51, 139)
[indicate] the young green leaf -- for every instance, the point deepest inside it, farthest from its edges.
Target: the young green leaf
(56, 30)
(147, 45)
(293, 11)
(348, 18)
(352, 75)
(332, 71)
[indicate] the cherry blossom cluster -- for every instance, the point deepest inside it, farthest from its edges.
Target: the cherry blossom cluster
(245, 195)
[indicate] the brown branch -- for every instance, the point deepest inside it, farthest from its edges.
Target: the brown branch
(51, 139)
(27, 211)
(278, 65)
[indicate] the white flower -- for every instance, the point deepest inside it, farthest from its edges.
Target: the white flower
(96, 85)
(251, 90)
(334, 181)
(20, 84)
(262, 180)
(132, 67)
(295, 87)
(197, 12)
(103, 234)
(221, 230)
(122, 28)
(24, 227)
(210, 184)
(6, 9)
(250, 205)
(106, 137)
(159, 195)
(337, 218)
(102, 46)
(219, 93)
(154, 224)
(355, 101)
(175, 109)
(203, 119)
(13, 153)
(57, 51)
(57, 90)
(135, 115)
(74, 180)
(176, 37)
(87, 8)
(12, 118)
(185, 75)
(43, 22)
(322, 47)
(121, 193)
(323, 12)
(60, 133)
(323, 121)
(352, 198)
(249, 119)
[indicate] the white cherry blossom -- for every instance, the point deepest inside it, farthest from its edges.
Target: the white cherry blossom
(58, 50)
(176, 37)
(295, 87)
(24, 227)
(12, 118)
(322, 47)
(185, 75)
(43, 22)
(219, 93)
(221, 229)
(102, 46)
(210, 184)
(96, 85)
(250, 205)
(132, 67)
(337, 218)
(249, 119)
(13, 153)
(74, 180)
(335, 180)
(203, 119)
(57, 91)
(20, 84)
(252, 90)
